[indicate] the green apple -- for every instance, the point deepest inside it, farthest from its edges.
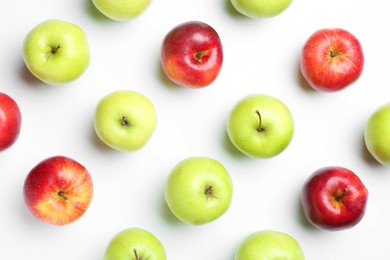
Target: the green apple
(135, 244)
(269, 245)
(260, 126)
(260, 8)
(377, 134)
(198, 190)
(125, 120)
(56, 52)
(121, 10)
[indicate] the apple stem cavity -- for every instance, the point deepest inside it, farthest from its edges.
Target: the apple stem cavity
(200, 54)
(260, 128)
(340, 194)
(62, 195)
(55, 49)
(208, 191)
(124, 121)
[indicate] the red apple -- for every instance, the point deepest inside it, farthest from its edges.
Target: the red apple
(10, 121)
(331, 59)
(334, 198)
(191, 54)
(58, 190)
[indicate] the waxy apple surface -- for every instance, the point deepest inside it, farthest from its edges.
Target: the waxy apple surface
(58, 190)
(198, 190)
(56, 52)
(269, 245)
(260, 126)
(136, 244)
(125, 120)
(260, 8)
(334, 198)
(331, 59)
(10, 121)
(192, 55)
(122, 10)
(377, 134)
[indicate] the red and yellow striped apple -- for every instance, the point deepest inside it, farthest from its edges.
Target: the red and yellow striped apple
(58, 190)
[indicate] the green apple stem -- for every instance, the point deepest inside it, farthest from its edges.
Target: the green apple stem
(199, 55)
(260, 128)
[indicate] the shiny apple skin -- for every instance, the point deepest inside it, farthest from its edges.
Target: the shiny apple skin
(331, 59)
(192, 54)
(334, 198)
(10, 121)
(47, 179)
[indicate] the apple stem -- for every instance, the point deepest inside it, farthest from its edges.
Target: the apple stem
(260, 128)
(62, 195)
(124, 120)
(199, 55)
(340, 194)
(209, 191)
(136, 254)
(55, 49)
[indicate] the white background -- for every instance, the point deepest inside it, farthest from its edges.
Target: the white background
(260, 56)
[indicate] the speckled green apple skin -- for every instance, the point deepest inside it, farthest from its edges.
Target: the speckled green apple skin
(377, 134)
(269, 245)
(56, 52)
(134, 244)
(261, 8)
(276, 122)
(140, 120)
(122, 10)
(186, 186)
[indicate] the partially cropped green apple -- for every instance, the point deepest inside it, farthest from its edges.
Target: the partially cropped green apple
(56, 52)
(125, 120)
(198, 190)
(135, 244)
(260, 126)
(261, 8)
(122, 10)
(377, 134)
(269, 245)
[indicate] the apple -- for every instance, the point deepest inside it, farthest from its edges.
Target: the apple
(198, 190)
(269, 245)
(56, 52)
(122, 10)
(331, 59)
(10, 121)
(260, 8)
(334, 198)
(125, 120)
(58, 190)
(135, 243)
(260, 126)
(191, 54)
(377, 134)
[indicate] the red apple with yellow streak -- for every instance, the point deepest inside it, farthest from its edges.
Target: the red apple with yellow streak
(192, 55)
(58, 190)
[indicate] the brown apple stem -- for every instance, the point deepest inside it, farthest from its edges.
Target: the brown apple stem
(208, 191)
(55, 49)
(339, 195)
(124, 121)
(136, 255)
(260, 128)
(62, 195)
(199, 55)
